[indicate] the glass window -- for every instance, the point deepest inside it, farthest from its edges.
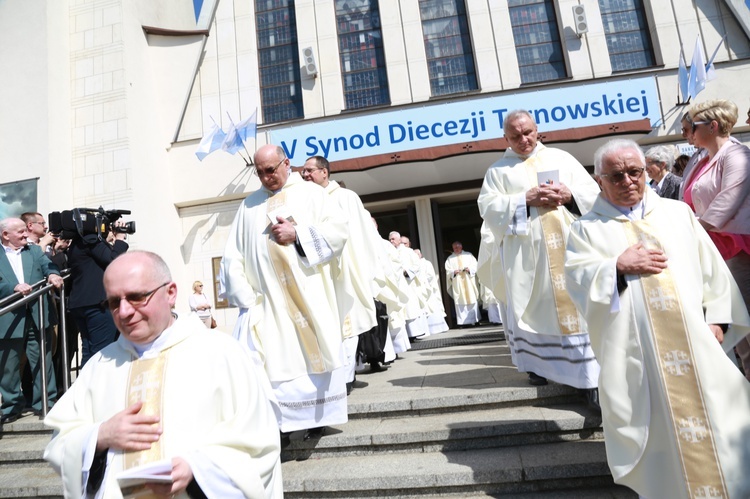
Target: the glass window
(447, 42)
(361, 52)
(278, 61)
(626, 30)
(537, 39)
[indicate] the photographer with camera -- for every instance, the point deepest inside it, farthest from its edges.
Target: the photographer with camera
(88, 257)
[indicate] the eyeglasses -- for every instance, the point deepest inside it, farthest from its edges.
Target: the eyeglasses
(136, 300)
(309, 171)
(268, 171)
(43, 224)
(696, 123)
(617, 178)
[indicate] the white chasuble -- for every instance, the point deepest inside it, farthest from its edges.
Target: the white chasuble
(674, 407)
(462, 286)
(214, 414)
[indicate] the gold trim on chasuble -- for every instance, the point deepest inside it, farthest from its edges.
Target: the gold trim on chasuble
(692, 428)
(145, 384)
(298, 310)
(554, 241)
(463, 283)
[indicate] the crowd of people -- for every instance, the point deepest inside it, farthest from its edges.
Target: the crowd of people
(631, 285)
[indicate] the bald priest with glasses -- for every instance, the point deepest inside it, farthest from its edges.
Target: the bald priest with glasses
(167, 410)
(279, 267)
(662, 309)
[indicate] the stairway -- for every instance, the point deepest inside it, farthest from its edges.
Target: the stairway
(451, 418)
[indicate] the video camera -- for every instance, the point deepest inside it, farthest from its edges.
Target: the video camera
(84, 221)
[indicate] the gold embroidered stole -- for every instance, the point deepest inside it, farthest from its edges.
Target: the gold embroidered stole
(463, 284)
(689, 417)
(298, 309)
(554, 240)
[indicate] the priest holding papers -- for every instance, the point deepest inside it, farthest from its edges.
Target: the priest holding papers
(662, 309)
(460, 274)
(168, 409)
(528, 200)
(279, 268)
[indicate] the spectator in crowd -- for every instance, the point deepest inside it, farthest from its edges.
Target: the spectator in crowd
(659, 160)
(528, 199)
(200, 304)
(659, 301)
(36, 228)
(166, 392)
(679, 164)
(21, 266)
(718, 191)
(88, 257)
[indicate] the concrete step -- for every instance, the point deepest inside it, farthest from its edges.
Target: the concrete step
(23, 449)
(453, 431)
(33, 481)
(567, 466)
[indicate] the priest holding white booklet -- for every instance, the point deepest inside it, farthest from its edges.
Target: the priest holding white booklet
(169, 409)
(528, 200)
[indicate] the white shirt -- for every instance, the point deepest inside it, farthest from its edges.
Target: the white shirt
(14, 258)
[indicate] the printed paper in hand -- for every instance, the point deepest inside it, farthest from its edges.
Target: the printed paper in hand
(548, 177)
(132, 482)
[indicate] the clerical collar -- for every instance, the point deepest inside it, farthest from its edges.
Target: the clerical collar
(636, 212)
(152, 349)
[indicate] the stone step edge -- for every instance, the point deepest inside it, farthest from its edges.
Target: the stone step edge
(440, 470)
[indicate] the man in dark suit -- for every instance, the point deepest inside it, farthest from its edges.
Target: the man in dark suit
(22, 265)
(88, 258)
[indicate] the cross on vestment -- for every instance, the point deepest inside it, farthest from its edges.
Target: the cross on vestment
(677, 362)
(660, 300)
(300, 319)
(649, 241)
(707, 492)
(283, 278)
(559, 282)
(692, 430)
(570, 322)
(142, 385)
(555, 241)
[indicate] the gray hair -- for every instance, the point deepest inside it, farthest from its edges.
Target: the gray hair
(663, 155)
(612, 147)
(515, 114)
(5, 223)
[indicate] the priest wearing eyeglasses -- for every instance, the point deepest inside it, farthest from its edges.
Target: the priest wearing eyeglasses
(279, 267)
(662, 309)
(167, 396)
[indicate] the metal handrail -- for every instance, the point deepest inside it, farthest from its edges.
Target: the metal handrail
(17, 300)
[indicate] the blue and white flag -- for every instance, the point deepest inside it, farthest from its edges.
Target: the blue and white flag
(210, 142)
(238, 134)
(710, 70)
(683, 78)
(697, 81)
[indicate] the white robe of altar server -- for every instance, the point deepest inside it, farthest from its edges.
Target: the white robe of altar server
(434, 299)
(523, 279)
(414, 313)
(639, 426)
(215, 414)
(463, 287)
(289, 312)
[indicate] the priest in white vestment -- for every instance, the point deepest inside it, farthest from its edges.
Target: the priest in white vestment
(358, 262)
(279, 267)
(397, 296)
(169, 396)
(460, 275)
(431, 283)
(662, 309)
(528, 200)
(408, 264)
(488, 266)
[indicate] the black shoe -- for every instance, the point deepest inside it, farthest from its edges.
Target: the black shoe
(375, 367)
(591, 396)
(314, 433)
(349, 387)
(8, 418)
(536, 380)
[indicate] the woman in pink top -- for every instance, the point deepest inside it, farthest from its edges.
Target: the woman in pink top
(718, 190)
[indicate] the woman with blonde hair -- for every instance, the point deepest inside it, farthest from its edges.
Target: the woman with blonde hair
(200, 305)
(718, 190)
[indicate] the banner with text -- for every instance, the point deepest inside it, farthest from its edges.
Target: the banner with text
(469, 120)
